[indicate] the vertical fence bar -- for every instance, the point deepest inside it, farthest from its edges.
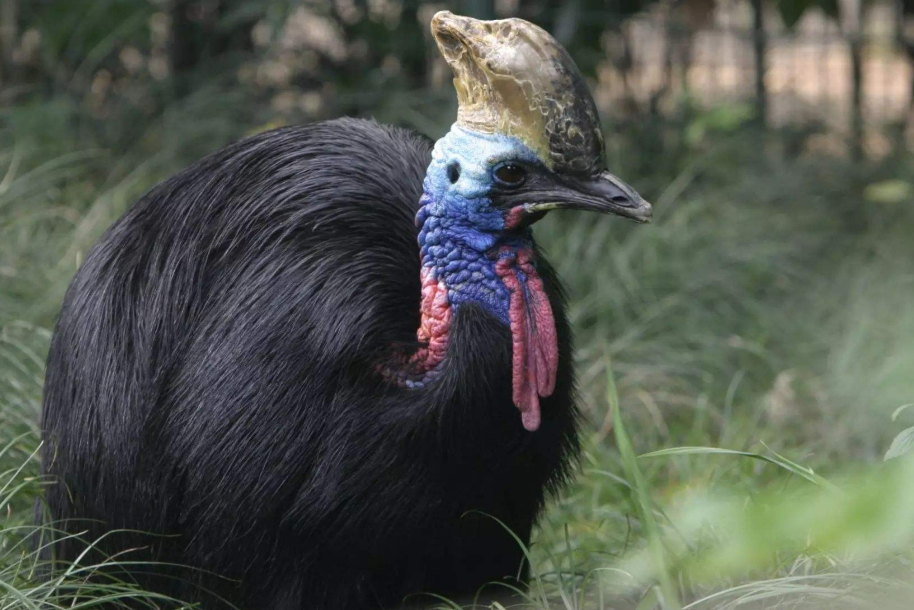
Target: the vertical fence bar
(906, 48)
(760, 43)
(8, 35)
(853, 26)
(857, 96)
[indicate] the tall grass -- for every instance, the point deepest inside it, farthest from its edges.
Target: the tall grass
(762, 325)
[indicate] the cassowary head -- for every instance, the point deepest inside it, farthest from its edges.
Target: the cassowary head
(527, 140)
(527, 136)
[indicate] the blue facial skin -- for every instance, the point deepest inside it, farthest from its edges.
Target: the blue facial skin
(460, 229)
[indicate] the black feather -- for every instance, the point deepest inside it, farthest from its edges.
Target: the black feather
(214, 379)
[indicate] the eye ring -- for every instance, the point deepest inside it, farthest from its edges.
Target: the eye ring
(509, 174)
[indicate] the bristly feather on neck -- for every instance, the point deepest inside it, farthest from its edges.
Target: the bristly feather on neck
(474, 252)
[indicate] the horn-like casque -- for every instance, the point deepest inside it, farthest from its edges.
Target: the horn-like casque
(512, 77)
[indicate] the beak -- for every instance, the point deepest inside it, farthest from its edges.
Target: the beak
(604, 193)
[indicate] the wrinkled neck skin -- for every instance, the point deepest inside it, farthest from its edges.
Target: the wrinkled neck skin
(473, 252)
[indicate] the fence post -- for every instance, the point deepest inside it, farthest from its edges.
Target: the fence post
(761, 49)
(907, 49)
(857, 96)
(853, 27)
(8, 34)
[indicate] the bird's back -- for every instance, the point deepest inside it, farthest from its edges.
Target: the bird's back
(172, 320)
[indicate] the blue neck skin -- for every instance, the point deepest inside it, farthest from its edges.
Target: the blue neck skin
(461, 233)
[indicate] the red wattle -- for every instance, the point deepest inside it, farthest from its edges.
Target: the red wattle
(435, 323)
(535, 345)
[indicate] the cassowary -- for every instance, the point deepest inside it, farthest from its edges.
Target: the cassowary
(259, 374)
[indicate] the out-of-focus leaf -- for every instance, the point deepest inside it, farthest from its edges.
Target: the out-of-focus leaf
(739, 534)
(901, 445)
(792, 10)
(722, 119)
(830, 8)
(889, 192)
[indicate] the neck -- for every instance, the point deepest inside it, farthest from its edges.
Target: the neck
(473, 253)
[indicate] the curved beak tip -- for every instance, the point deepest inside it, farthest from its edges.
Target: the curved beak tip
(644, 212)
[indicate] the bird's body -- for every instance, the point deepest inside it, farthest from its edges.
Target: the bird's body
(218, 375)
(327, 367)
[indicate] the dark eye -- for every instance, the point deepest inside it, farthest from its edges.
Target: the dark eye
(453, 172)
(510, 174)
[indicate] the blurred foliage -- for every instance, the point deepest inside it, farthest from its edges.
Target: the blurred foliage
(115, 65)
(791, 11)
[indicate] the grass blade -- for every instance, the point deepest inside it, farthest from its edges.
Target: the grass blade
(670, 597)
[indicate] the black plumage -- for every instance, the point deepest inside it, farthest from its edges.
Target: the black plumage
(215, 379)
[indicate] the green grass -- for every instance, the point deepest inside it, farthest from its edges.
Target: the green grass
(739, 363)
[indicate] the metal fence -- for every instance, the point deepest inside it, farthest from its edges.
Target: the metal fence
(847, 79)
